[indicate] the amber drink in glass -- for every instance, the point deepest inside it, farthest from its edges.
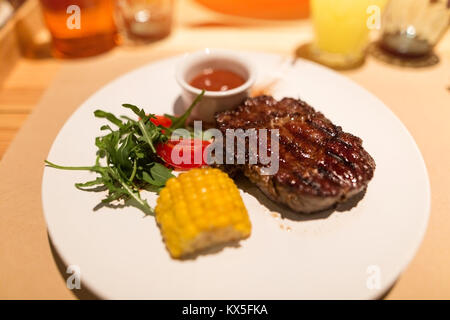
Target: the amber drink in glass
(80, 28)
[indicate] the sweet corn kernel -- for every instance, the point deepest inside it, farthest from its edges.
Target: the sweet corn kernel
(199, 209)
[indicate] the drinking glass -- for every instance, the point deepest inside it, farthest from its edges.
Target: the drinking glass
(142, 21)
(342, 30)
(412, 28)
(80, 28)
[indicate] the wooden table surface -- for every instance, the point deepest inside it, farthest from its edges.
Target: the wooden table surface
(419, 97)
(20, 94)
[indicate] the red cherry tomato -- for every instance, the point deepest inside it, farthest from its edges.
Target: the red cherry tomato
(183, 154)
(161, 120)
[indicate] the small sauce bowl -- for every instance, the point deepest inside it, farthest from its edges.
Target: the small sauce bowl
(212, 102)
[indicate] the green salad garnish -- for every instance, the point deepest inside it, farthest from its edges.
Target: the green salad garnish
(126, 157)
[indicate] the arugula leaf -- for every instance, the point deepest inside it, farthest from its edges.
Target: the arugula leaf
(158, 175)
(139, 112)
(148, 133)
(179, 122)
(93, 183)
(112, 118)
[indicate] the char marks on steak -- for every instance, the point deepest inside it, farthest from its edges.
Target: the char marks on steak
(319, 164)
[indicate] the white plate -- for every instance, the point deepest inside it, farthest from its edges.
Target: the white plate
(352, 254)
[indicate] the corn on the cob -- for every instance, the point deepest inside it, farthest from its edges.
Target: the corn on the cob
(199, 209)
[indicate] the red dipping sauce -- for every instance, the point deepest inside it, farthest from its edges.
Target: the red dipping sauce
(217, 80)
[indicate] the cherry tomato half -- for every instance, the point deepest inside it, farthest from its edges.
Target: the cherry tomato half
(183, 154)
(161, 120)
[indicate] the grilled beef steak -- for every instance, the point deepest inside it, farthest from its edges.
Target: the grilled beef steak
(319, 164)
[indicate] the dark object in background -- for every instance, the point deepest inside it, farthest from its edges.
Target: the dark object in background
(401, 44)
(411, 29)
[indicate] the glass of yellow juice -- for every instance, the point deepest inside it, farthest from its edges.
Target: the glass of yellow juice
(342, 30)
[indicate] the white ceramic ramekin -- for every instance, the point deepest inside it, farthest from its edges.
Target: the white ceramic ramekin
(213, 101)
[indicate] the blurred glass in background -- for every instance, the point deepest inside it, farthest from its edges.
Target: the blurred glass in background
(342, 30)
(412, 28)
(80, 28)
(142, 21)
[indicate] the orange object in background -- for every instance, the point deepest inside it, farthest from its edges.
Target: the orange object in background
(80, 28)
(261, 9)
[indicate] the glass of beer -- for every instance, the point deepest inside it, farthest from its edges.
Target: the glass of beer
(80, 28)
(342, 30)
